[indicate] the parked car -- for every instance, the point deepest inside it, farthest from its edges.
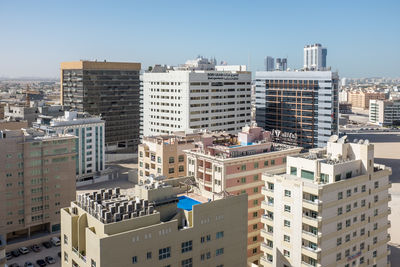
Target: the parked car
(55, 241)
(35, 248)
(23, 250)
(29, 264)
(47, 244)
(41, 263)
(50, 260)
(15, 253)
(14, 265)
(9, 255)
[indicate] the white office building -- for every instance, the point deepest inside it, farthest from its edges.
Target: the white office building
(384, 112)
(90, 163)
(315, 57)
(197, 95)
(328, 207)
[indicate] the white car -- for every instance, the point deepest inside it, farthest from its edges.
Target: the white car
(23, 250)
(56, 241)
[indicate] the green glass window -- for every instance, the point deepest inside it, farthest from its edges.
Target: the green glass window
(307, 174)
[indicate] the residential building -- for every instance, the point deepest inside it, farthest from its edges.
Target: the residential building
(196, 96)
(384, 112)
(360, 99)
(303, 104)
(343, 96)
(3, 258)
(153, 227)
(269, 63)
(110, 90)
(30, 113)
(90, 145)
(163, 155)
(12, 124)
(315, 57)
(233, 164)
(37, 179)
(328, 207)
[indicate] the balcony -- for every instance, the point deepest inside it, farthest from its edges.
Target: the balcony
(389, 210)
(267, 205)
(201, 169)
(266, 234)
(315, 205)
(311, 252)
(208, 171)
(265, 245)
(267, 191)
(82, 255)
(266, 218)
(313, 221)
(265, 261)
(309, 264)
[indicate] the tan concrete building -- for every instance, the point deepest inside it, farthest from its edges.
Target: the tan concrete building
(13, 125)
(2, 105)
(163, 155)
(360, 99)
(329, 208)
(153, 227)
(37, 179)
(233, 164)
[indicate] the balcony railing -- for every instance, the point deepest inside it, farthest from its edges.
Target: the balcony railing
(316, 250)
(308, 264)
(81, 256)
(315, 202)
(267, 217)
(317, 218)
(311, 233)
(265, 245)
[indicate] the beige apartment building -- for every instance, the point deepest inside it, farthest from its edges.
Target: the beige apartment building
(163, 155)
(329, 208)
(229, 164)
(153, 227)
(360, 99)
(37, 179)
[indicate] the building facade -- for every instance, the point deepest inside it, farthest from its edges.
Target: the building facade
(110, 90)
(188, 98)
(315, 57)
(3, 258)
(153, 227)
(233, 164)
(328, 207)
(269, 63)
(301, 103)
(163, 155)
(90, 145)
(384, 112)
(38, 178)
(361, 99)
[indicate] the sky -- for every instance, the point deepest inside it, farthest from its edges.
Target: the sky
(362, 37)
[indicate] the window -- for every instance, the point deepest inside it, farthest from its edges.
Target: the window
(288, 193)
(339, 241)
(255, 177)
(254, 238)
(348, 193)
(340, 195)
(286, 223)
(287, 208)
(363, 188)
(164, 253)
(208, 238)
(266, 163)
(171, 160)
(307, 174)
(355, 190)
(202, 239)
(339, 226)
(362, 231)
(148, 255)
(348, 175)
(65, 257)
(255, 165)
(186, 246)
(293, 171)
(375, 226)
(187, 263)
(181, 158)
(338, 256)
(93, 263)
(347, 253)
(243, 180)
(376, 212)
(219, 251)
(361, 260)
(339, 211)
(337, 177)
(362, 246)
(171, 170)
(243, 167)
(272, 162)
(134, 259)
(376, 184)
(181, 168)
(363, 203)
(255, 189)
(255, 250)
(376, 198)
(286, 253)
(158, 159)
(219, 235)
(348, 223)
(348, 208)
(255, 202)
(374, 254)
(255, 214)
(255, 226)
(286, 238)
(374, 240)
(66, 239)
(347, 238)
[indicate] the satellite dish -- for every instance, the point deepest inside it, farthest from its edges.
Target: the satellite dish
(333, 138)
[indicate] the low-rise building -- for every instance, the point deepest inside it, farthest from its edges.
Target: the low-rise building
(153, 227)
(328, 207)
(360, 99)
(37, 179)
(163, 155)
(384, 112)
(232, 165)
(90, 144)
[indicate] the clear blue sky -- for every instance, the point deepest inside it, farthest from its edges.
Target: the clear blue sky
(362, 37)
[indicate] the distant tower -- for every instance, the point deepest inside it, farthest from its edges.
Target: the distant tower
(315, 57)
(281, 64)
(269, 63)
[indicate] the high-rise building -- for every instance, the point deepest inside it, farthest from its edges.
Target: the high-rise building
(328, 207)
(108, 89)
(384, 112)
(361, 99)
(90, 161)
(281, 64)
(153, 226)
(269, 63)
(216, 98)
(38, 178)
(315, 57)
(302, 104)
(233, 164)
(163, 155)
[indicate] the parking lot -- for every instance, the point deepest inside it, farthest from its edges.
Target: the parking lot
(34, 256)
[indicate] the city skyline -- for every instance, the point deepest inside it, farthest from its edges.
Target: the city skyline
(174, 32)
